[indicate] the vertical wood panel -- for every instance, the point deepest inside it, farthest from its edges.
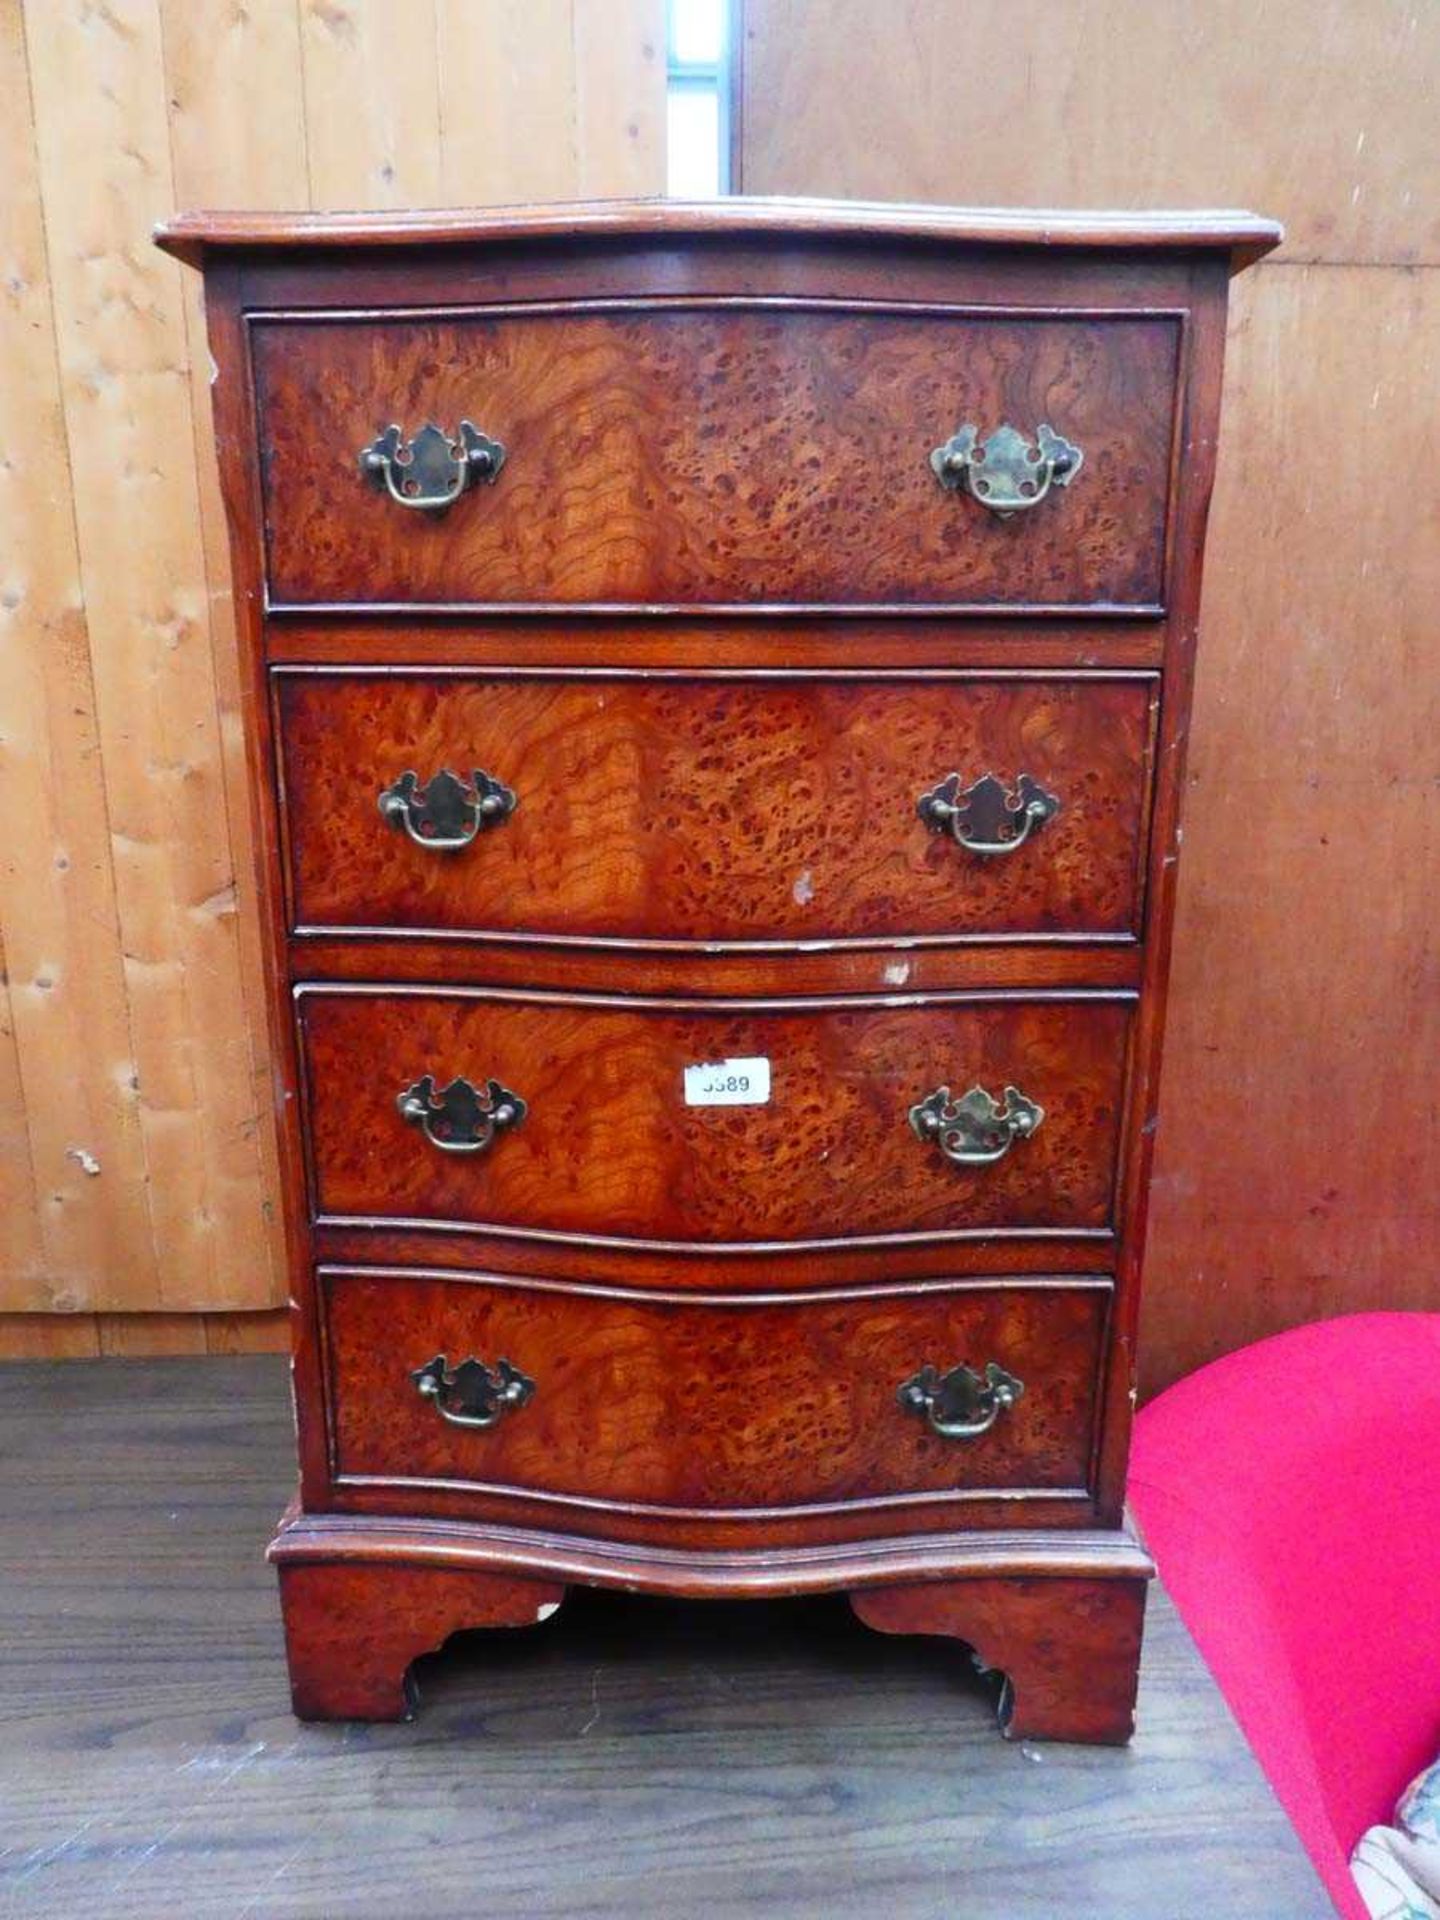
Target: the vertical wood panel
(218, 59)
(1317, 111)
(372, 94)
(131, 1017)
(27, 316)
(507, 103)
(550, 99)
(105, 166)
(1298, 1162)
(1299, 1152)
(69, 1234)
(235, 98)
(21, 1256)
(619, 65)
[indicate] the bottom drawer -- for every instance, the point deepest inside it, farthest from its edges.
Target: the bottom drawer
(692, 1405)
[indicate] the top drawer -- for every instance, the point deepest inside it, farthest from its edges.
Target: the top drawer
(755, 455)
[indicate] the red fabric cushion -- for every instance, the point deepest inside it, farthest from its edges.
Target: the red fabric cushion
(1291, 1496)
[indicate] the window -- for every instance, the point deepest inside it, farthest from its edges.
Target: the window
(697, 98)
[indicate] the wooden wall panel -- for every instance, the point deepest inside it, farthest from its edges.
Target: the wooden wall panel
(20, 1247)
(132, 1336)
(131, 1028)
(218, 59)
(619, 105)
(106, 175)
(507, 103)
(75, 1216)
(1299, 1154)
(1320, 112)
(372, 102)
(1298, 1163)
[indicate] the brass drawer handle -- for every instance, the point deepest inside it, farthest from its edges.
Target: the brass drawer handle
(460, 1119)
(448, 812)
(975, 1130)
(432, 470)
(961, 1404)
(473, 1395)
(984, 818)
(1006, 473)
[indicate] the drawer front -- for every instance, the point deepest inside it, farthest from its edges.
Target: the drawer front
(718, 1403)
(717, 456)
(608, 1147)
(679, 808)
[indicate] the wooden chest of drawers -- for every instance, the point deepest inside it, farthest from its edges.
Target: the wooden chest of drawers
(716, 682)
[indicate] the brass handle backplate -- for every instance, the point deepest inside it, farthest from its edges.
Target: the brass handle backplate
(961, 1404)
(447, 813)
(976, 1130)
(474, 1395)
(1006, 473)
(984, 818)
(459, 1118)
(432, 470)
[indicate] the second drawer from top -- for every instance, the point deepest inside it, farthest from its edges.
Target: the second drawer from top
(734, 809)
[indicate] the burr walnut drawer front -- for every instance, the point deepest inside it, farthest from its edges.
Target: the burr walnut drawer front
(681, 808)
(685, 454)
(714, 1123)
(697, 1404)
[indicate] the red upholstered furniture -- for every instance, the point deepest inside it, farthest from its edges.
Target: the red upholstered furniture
(1290, 1494)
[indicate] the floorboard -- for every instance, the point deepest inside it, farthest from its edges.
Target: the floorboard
(633, 1757)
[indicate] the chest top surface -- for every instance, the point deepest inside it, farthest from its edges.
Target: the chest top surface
(196, 237)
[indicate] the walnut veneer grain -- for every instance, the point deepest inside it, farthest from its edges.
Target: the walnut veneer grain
(718, 625)
(609, 1149)
(685, 808)
(719, 455)
(728, 1404)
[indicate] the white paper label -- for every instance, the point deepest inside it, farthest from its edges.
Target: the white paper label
(728, 1083)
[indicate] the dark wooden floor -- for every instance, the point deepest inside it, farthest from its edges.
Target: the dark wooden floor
(632, 1758)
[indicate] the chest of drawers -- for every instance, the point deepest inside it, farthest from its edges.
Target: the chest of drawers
(716, 682)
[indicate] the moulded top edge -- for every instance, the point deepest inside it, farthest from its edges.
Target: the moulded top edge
(1244, 236)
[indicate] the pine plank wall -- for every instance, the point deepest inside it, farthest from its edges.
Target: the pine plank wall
(1299, 1158)
(135, 1178)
